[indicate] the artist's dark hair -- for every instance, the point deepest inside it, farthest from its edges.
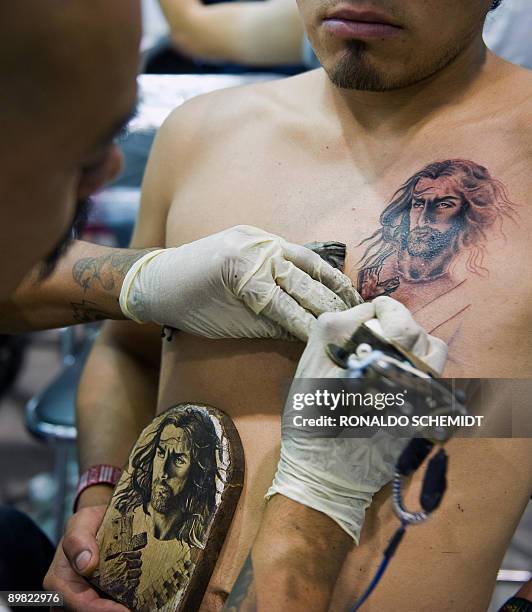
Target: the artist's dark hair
(486, 204)
(197, 501)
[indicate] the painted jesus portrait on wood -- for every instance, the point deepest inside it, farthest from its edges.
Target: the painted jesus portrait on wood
(161, 529)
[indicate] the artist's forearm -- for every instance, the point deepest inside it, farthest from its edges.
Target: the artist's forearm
(256, 33)
(117, 398)
(294, 562)
(85, 287)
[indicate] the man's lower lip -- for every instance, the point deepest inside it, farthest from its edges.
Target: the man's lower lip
(343, 28)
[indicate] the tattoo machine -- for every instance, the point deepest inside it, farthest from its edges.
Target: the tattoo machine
(370, 356)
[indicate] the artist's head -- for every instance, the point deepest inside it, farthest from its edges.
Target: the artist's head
(380, 45)
(69, 84)
(175, 471)
(446, 207)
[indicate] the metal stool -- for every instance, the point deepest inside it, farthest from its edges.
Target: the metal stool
(51, 416)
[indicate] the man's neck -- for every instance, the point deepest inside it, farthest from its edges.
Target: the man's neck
(398, 110)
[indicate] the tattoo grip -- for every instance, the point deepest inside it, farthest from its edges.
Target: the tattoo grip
(435, 482)
(414, 455)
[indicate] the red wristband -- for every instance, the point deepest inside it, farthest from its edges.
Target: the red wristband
(97, 474)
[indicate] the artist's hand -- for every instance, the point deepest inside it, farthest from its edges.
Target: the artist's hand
(77, 556)
(339, 476)
(239, 283)
(387, 316)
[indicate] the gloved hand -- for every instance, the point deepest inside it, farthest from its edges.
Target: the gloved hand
(239, 283)
(339, 476)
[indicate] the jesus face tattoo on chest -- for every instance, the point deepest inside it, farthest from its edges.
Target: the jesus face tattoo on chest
(438, 216)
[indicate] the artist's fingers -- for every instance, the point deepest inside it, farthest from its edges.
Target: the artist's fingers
(397, 323)
(79, 542)
(338, 327)
(321, 271)
(284, 310)
(273, 330)
(436, 355)
(309, 293)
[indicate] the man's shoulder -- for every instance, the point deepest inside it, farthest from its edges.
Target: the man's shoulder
(231, 110)
(499, 110)
(514, 93)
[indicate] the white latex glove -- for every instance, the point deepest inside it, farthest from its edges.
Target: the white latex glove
(239, 283)
(339, 476)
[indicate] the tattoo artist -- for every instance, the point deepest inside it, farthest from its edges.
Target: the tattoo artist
(65, 98)
(55, 154)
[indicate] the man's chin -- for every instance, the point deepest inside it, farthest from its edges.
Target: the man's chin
(358, 69)
(353, 71)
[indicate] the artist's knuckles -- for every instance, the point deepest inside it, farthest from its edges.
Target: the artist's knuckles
(246, 248)
(242, 241)
(327, 326)
(243, 230)
(405, 332)
(340, 326)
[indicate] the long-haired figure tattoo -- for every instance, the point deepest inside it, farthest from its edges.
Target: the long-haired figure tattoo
(441, 213)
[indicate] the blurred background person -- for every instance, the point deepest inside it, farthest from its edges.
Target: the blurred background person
(229, 37)
(508, 32)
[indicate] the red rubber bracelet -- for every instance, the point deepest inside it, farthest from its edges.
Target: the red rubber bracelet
(97, 474)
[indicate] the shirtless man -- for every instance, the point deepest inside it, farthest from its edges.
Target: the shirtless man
(322, 156)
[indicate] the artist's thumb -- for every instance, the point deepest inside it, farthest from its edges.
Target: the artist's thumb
(79, 542)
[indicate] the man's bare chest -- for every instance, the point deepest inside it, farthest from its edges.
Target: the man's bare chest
(439, 232)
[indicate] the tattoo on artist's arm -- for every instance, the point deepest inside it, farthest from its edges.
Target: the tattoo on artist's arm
(105, 272)
(242, 597)
(87, 312)
(91, 271)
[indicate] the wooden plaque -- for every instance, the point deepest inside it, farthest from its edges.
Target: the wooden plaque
(171, 510)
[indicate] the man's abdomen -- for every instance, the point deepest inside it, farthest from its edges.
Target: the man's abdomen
(450, 563)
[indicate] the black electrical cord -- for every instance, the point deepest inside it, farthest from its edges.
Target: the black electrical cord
(434, 486)
(388, 554)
